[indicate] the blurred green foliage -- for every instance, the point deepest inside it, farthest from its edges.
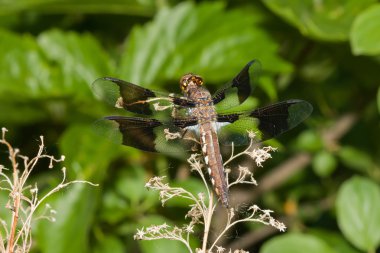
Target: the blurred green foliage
(326, 52)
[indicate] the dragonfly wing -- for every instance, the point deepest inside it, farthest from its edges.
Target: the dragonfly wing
(266, 122)
(147, 134)
(238, 89)
(134, 98)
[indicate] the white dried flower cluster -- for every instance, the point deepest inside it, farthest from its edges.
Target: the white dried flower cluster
(264, 216)
(156, 183)
(195, 214)
(159, 232)
(195, 162)
(245, 177)
(171, 136)
(167, 192)
(203, 206)
(221, 250)
(165, 231)
(260, 155)
(24, 199)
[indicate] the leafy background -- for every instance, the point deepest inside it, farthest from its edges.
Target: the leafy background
(324, 180)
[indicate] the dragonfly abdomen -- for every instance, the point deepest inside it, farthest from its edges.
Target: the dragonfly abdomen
(213, 161)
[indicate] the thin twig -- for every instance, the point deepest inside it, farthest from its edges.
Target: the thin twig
(17, 186)
(207, 222)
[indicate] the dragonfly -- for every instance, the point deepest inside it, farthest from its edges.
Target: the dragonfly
(168, 122)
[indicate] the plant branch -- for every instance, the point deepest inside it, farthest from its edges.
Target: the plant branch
(203, 209)
(17, 186)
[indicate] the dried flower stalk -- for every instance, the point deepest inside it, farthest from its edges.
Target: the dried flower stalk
(203, 205)
(23, 198)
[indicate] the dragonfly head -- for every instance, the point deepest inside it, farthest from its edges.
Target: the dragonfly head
(190, 81)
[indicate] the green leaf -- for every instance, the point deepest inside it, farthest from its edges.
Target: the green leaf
(335, 240)
(324, 163)
(163, 49)
(355, 159)
(309, 140)
(133, 7)
(24, 71)
(110, 244)
(79, 58)
(364, 35)
(74, 214)
(162, 246)
(269, 86)
(322, 20)
(128, 197)
(87, 154)
(131, 184)
(113, 207)
(358, 205)
(296, 243)
(38, 75)
(54, 64)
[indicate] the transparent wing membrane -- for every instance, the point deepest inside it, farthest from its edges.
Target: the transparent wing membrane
(238, 89)
(266, 122)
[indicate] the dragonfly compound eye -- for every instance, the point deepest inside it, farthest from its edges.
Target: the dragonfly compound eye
(184, 82)
(197, 80)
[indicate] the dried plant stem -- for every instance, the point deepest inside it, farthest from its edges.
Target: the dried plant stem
(36, 203)
(208, 219)
(23, 206)
(203, 204)
(263, 217)
(16, 193)
(16, 209)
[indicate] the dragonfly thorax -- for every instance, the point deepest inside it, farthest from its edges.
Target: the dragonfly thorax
(204, 110)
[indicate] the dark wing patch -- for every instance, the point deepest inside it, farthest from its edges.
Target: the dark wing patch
(266, 122)
(145, 134)
(135, 98)
(239, 89)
